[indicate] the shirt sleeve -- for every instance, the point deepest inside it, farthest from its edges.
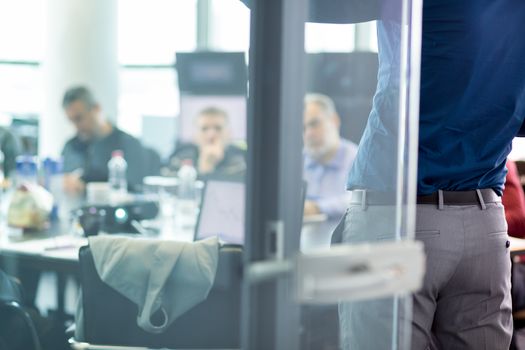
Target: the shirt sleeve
(135, 158)
(181, 153)
(514, 202)
(72, 159)
(334, 206)
(521, 132)
(233, 163)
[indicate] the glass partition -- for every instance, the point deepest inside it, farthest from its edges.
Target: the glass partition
(359, 132)
(241, 132)
(163, 164)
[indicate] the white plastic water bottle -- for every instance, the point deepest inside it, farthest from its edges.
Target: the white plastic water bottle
(186, 204)
(26, 170)
(118, 182)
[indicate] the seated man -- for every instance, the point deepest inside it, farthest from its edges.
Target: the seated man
(212, 154)
(327, 159)
(86, 155)
(10, 149)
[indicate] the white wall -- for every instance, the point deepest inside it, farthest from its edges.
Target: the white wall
(80, 48)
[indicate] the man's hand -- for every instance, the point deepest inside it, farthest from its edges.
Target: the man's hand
(311, 208)
(73, 184)
(210, 155)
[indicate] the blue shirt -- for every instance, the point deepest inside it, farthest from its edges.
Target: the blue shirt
(326, 182)
(472, 98)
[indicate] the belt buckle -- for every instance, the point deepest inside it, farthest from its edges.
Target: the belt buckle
(359, 197)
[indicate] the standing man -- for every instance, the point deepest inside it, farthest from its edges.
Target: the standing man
(86, 155)
(472, 106)
(327, 158)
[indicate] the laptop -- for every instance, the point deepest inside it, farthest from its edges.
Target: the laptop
(222, 212)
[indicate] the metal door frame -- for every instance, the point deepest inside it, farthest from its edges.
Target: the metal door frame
(271, 318)
(275, 108)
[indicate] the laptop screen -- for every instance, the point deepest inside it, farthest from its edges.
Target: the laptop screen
(222, 212)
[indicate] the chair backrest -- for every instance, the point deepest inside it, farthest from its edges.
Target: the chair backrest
(153, 162)
(111, 319)
(17, 331)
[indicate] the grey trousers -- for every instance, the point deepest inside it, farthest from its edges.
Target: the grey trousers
(465, 301)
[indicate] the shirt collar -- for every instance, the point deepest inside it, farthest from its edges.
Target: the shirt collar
(335, 163)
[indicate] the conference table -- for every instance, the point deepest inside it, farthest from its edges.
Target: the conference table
(55, 249)
(517, 248)
(27, 255)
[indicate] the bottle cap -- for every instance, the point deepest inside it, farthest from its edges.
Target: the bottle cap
(117, 153)
(187, 162)
(26, 165)
(52, 166)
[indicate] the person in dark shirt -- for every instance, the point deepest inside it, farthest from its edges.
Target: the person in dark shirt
(212, 153)
(472, 105)
(86, 155)
(10, 149)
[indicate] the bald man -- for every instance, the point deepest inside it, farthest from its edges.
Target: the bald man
(327, 158)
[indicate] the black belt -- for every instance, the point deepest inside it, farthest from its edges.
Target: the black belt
(471, 197)
(365, 197)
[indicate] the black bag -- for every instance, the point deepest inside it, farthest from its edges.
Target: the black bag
(518, 286)
(13, 318)
(9, 289)
(23, 328)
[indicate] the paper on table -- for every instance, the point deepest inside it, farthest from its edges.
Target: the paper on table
(314, 219)
(59, 246)
(516, 244)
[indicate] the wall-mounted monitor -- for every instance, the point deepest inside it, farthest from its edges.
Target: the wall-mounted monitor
(212, 73)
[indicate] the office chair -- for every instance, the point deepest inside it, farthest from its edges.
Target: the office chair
(518, 303)
(111, 319)
(17, 331)
(153, 162)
